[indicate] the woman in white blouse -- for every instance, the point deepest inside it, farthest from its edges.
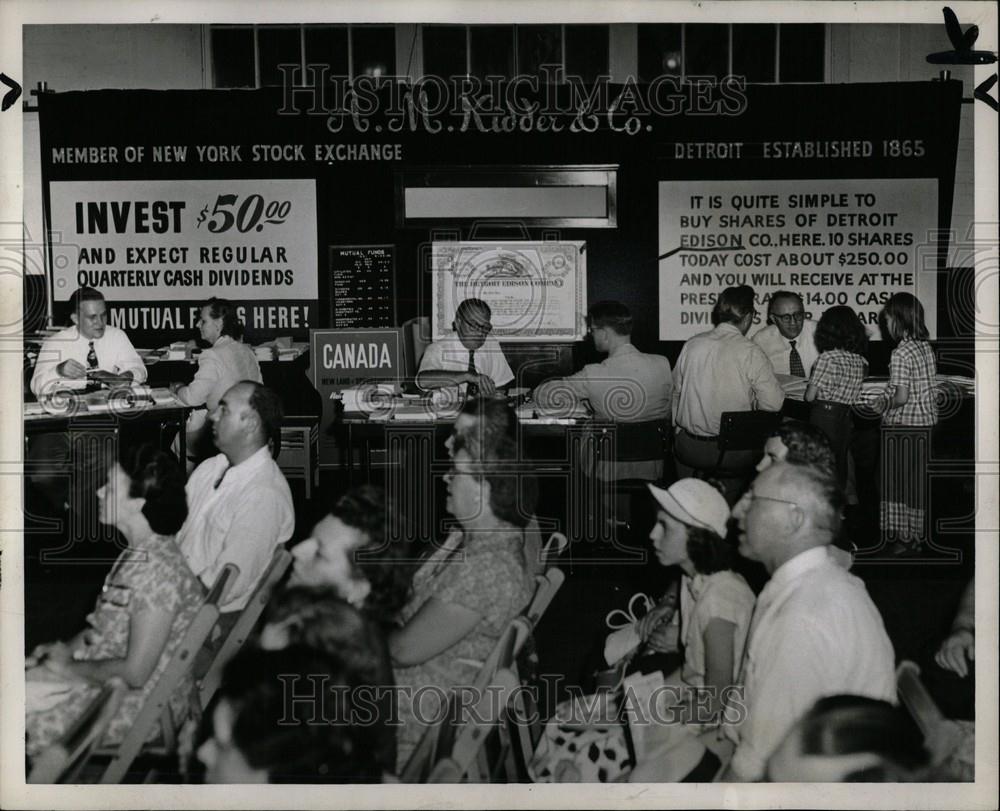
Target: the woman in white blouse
(226, 362)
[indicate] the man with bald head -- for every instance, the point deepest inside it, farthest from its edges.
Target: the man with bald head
(815, 630)
(239, 504)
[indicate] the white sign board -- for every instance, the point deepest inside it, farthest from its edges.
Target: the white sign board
(537, 291)
(853, 242)
(164, 240)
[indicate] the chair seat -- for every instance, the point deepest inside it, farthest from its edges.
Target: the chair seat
(632, 441)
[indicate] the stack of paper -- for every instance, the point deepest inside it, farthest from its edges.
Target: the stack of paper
(793, 386)
(178, 350)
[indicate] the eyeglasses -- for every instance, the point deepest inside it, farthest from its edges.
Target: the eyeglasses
(789, 318)
(751, 496)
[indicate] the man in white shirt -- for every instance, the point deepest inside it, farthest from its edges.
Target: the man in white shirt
(788, 340)
(629, 386)
(469, 358)
(815, 631)
(721, 371)
(88, 349)
(239, 505)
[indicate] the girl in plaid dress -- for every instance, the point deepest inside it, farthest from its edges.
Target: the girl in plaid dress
(910, 414)
(836, 379)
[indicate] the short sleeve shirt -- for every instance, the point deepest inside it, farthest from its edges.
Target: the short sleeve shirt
(449, 354)
(912, 365)
(721, 595)
(838, 374)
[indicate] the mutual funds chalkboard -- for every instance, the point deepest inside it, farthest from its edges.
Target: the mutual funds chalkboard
(362, 287)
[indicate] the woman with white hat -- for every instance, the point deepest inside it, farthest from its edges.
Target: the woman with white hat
(715, 609)
(715, 602)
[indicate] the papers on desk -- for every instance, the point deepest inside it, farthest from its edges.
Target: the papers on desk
(117, 400)
(72, 384)
(793, 386)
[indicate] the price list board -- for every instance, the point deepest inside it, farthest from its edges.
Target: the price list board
(362, 287)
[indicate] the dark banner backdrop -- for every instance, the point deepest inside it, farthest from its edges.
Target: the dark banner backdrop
(355, 186)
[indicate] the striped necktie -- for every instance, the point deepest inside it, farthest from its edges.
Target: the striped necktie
(91, 356)
(795, 362)
(473, 390)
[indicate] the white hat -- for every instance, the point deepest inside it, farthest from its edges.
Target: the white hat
(694, 502)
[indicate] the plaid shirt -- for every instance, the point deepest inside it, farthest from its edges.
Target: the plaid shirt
(838, 375)
(912, 365)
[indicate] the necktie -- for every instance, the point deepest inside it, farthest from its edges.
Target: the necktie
(473, 390)
(795, 362)
(91, 356)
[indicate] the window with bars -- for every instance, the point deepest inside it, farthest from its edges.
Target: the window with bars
(511, 50)
(765, 53)
(249, 55)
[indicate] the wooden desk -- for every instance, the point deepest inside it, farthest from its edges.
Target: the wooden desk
(107, 411)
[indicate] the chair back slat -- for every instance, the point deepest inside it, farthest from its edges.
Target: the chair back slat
(747, 430)
(155, 703)
(241, 630)
(156, 706)
(485, 717)
(63, 761)
(548, 586)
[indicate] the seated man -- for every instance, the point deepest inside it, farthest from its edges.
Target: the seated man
(720, 371)
(88, 348)
(628, 386)
(469, 357)
(239, 505)
(815, 631)
(788, 340)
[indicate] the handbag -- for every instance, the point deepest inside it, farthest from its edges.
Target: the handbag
(624, 638)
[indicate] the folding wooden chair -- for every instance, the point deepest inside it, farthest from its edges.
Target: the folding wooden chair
(941, 736)
(156, 708)
(745, 431)
(464, 762)
(439, 737)
(63, 761)
(548, 585)
(207, 685)
(554, 547)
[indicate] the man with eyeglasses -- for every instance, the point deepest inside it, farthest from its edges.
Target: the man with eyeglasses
(470, 358)
(788, 339)
(815, 630)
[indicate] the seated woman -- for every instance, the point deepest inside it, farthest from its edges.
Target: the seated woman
(715, 609)
(466, 592)
(351, 552)
(148, 600)
(226, 362)
(318, 618)
(258, 736)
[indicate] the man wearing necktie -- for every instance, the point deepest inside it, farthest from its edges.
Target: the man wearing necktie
(90, 349)
(788, 339)
(469, 357)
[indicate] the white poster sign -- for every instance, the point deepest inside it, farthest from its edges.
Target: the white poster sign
(852, 242)
(168, 240)
(537, 291)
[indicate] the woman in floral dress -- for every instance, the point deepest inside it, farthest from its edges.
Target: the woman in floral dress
(466, 592)
(147, 602)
